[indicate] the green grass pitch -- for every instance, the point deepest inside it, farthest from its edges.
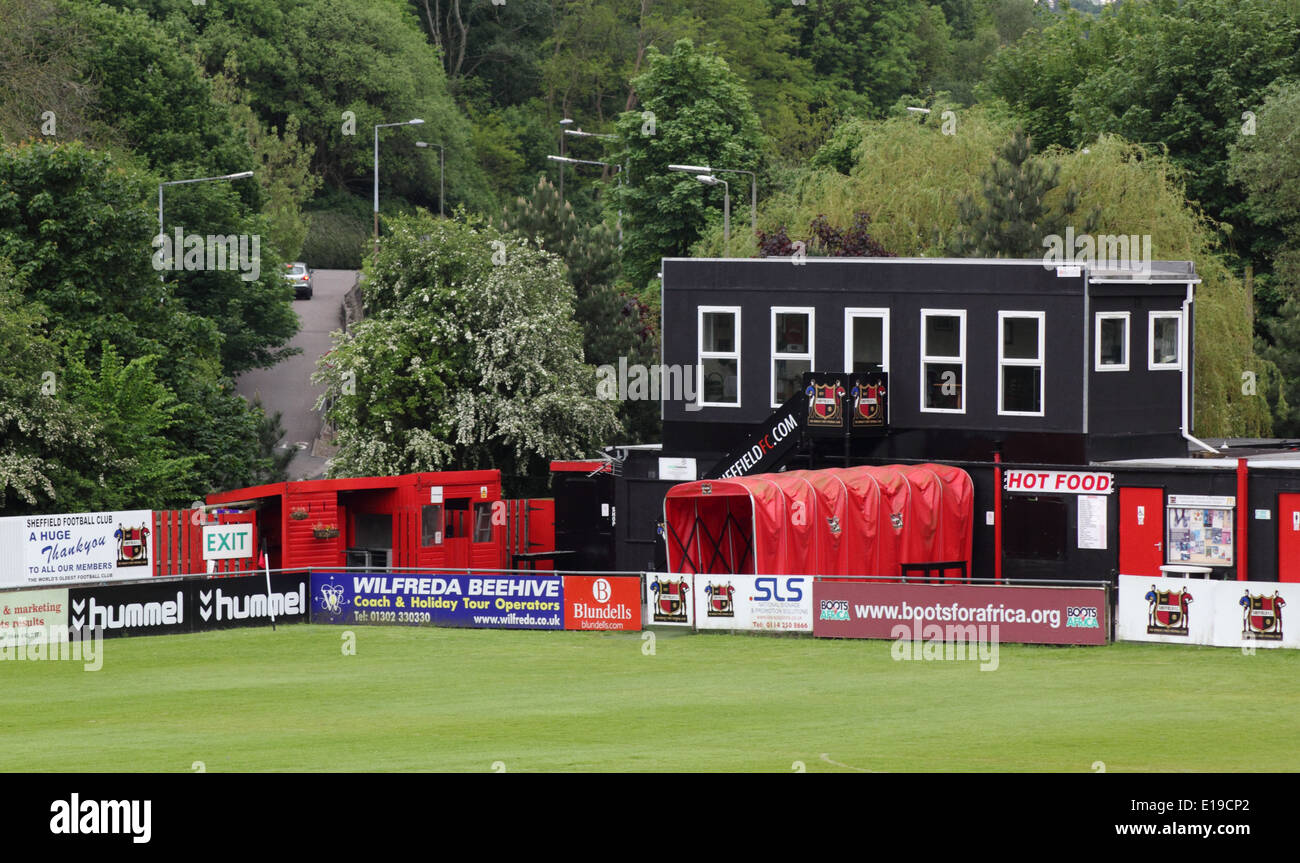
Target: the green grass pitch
(462, 700)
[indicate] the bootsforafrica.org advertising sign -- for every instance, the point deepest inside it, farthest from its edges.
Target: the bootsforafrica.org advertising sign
(478, 601)
(1025, 615)
(762, 603)
(1201, 611)
(75, 548)
(602, 602)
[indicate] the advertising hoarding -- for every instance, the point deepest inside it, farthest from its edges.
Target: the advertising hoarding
(1025, 615)
(477, 601)
(756, 603)
(75, 548)
(602, 602)
(1207, 612)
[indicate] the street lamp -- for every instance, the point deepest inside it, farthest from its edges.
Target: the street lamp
(442, 169)
(565, 122)
(753, 187)
(240, 176)
(618, 170)
(710, 180)
(578, 133)
(416, 122)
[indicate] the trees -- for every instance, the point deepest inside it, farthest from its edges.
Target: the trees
(1014, 216)
(76, 225)
(469, 358)
(693, 111)
(1267, 166)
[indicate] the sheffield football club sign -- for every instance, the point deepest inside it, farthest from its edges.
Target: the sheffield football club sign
(1168, 611)
(1261, 616)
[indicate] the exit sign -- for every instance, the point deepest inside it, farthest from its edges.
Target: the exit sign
(227, 541)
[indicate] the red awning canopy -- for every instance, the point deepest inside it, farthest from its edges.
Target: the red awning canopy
(842, 521)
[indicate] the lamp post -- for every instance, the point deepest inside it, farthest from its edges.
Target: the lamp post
(618, 170)
(442, 170)
(753, 186)
(415, 122)
(240, 176)
(710, 180)
(565, 122)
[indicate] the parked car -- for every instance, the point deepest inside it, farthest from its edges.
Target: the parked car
(299, 276)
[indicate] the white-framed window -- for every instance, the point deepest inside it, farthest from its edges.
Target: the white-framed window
(1164, 341)
(1110, 342)
(793, 334)
(866, 340)
(719, 356)
(1021, 361)
(943, 361)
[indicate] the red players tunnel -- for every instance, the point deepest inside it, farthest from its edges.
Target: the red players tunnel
(882, 521)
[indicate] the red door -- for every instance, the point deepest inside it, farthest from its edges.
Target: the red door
(1141, 531)
(1288, 537)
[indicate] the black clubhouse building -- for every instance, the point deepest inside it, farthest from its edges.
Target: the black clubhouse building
(1010, 369)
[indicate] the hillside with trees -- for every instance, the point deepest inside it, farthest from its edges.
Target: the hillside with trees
(1173, 118)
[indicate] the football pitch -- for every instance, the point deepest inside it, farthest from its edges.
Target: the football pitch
(463, 700)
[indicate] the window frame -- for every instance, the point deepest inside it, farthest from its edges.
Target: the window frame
(959, 359)
(880, 313)
(1152, 365)
(701, 355)
(1040, 363)
(1097, 364)
(809, 356)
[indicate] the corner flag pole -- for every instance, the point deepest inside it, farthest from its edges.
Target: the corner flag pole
(266, 562)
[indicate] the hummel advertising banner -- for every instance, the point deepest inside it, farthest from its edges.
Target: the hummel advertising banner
(762, 603)
(1203, 611)
(223, 603)
(159, 608)
(75, 548)
(1024, 615)
(478, 601)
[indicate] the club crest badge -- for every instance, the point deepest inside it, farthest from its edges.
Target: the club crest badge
(869, 403)
(132, 545)
(1167, 612)
(896, 519)
(721, 599)
(670, 600)
(825, 404)
(833, 521)
(1261, 616)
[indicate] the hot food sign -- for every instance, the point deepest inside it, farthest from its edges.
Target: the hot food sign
(1057, 482)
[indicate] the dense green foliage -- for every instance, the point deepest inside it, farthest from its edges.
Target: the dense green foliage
(469, 356)
(1169, 117)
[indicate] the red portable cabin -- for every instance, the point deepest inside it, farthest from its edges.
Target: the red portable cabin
(454, 519)
(842, 521)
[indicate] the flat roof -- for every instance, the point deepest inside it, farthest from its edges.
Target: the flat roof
(1176, 271)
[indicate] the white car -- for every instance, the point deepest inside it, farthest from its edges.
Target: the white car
(299, 276)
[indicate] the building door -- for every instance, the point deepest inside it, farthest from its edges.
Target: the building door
(456, 532)
(1288, 537)
(1141, 531)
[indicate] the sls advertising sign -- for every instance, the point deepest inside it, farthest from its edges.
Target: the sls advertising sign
(76, 548)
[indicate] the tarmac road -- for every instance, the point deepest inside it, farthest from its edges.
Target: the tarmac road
(287, 387)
